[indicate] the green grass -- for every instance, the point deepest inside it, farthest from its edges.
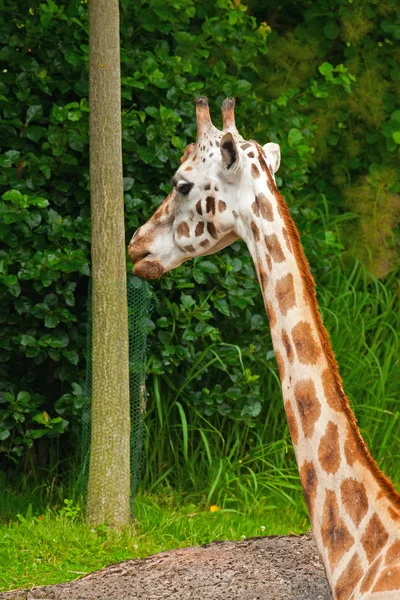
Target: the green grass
(51, 548)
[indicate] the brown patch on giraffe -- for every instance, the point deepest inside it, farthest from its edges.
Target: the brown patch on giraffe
(285, 294)
(369, 576)
(256, 231)
(307, 348)
(207, 185)
(189, 248)
(212, 230)
(349, 578)
(235, 214)
(335, 535)
(251, 155)
(281, 365)
(221, 206)
(292, 423)
(199, 229)
(158, 214)
(329, 449)
(287, 240)
(352, 446)
(271, 315)
(167, 209)
(393, 514)
(389, 580)
(188, 168)
(374, 538)
(255, 171)
(255, 208)
(216, 187)
(309, 482)
(288, 346)
(194, 157)
(188, 150)
(210, 204)
(274, 247)
(323, 336)
(245, 146)
(265, 207)
(333, 393)
(183, 230)
(354, 499)
(308, 405)
(393, 554)
(205, 243)
(263, 277)
(199, 209)
(269, 261)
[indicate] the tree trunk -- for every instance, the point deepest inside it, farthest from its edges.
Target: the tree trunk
(109, 471)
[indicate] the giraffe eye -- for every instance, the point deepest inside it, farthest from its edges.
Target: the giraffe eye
(185, 188)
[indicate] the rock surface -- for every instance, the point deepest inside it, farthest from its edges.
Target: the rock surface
(266, 568)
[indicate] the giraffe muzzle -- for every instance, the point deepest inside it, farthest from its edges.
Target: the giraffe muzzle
(145, 265)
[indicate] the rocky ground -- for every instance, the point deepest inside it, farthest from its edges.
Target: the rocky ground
(267, 568)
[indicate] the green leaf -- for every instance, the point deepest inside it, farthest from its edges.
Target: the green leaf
(35, 132)
(146, 154)
(294, 137)
(5, 161)
(187, 301)
(76, 389)
(72, 356)
(243, 86)
(23, 305)
(23, 397)
(128, 183)
(252, 409)
(208, 267)
(331, 30)
(51, 320)
(325, 68)
(222, 306)
(27, 340)
(13, 155)
(34, 112)
(396, 136)
(58, 339)
(257, 322)
(11, 281)
(13, 196)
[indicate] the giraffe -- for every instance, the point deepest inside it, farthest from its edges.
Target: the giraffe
(225, 189)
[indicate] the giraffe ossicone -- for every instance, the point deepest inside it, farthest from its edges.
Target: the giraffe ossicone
(223, 190)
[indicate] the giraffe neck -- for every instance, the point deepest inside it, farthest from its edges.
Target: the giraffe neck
(353, 508)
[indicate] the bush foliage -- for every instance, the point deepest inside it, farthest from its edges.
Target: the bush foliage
(324, 88)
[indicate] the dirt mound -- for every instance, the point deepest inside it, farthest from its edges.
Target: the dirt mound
(267, 568)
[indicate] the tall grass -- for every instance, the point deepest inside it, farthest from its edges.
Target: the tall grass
(233, 464)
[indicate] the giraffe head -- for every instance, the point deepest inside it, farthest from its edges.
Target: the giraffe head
(212, 196)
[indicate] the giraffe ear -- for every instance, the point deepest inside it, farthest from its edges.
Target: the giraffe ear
(229, 153)
(273, 153)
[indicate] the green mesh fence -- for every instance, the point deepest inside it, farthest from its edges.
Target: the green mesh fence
(139, 304)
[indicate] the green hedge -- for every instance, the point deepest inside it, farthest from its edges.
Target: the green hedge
(293, 84)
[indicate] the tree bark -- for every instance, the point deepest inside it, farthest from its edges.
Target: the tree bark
(109, 470)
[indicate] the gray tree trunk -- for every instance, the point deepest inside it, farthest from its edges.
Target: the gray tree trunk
(109, 471)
